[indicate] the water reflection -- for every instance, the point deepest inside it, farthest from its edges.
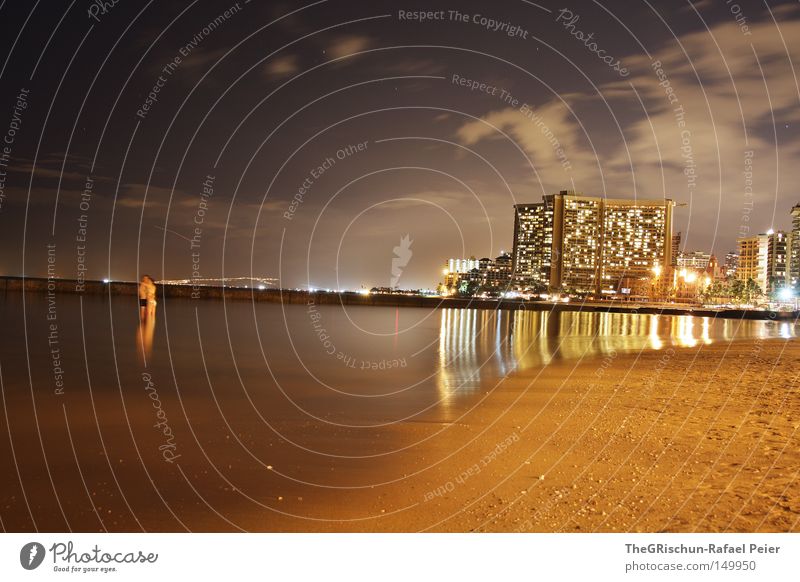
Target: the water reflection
(477, 344)
(144, 337)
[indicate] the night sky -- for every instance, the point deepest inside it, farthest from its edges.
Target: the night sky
(460, 115)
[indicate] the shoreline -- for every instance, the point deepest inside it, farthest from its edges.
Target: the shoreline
(350, 298)
(700, 439)
(697, 440)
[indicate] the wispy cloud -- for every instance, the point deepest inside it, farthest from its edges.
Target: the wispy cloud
(629, 140)
(347, 45)
(282, 66)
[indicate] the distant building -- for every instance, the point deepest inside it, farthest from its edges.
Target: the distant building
(676, 248)
(485, 275)
(794, 245)
(714, 270)
(731, 262)
(752, 264)
(697, 260)
(454, 270)
(764, 259)
(777, 261)
(461, 265)
(499, 272)
(588, 244)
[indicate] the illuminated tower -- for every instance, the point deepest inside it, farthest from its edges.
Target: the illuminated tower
(533, 244)
(794, 253)
(588, 244)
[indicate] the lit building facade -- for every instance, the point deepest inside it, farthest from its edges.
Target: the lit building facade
(676, 248)
(485, 274)
(533, 243)
(731, 263)
(777, 261)
(637, 237)
(794, 253)
(587, 244)
(461, 265)
(765, 259)
(491, 275)
(455, 269)
(693, 260)
(577, 228)
(753, 260)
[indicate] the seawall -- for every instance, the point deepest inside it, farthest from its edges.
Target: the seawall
(288, 296)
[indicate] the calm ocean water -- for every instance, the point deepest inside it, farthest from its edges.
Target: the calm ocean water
(363, 365)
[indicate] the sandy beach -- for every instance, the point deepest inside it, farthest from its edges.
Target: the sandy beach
(699, 438)
(696, 439)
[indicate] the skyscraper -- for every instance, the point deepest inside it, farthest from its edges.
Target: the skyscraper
(588, 244)
(577, 229)
(753, 252)
(777, 261)
(637, 236)
(676, 248)
(794, 254)
(731, 263)
(764, 259)
(533, 243)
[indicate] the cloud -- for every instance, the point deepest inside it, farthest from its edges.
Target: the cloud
(545, 133)
(414, 67)
(49, 166)
(348, 45)
(283, 66)
(723, 106)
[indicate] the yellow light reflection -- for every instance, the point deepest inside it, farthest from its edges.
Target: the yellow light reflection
(655, 339)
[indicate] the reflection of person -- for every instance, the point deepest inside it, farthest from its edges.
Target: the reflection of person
(144, 338)
(147, 318)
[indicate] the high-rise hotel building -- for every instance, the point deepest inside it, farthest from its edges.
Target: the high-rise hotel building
(589, 244)
(764, 258)
(753, 259)
(794, 250)
(533, 242)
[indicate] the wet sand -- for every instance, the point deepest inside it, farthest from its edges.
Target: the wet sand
(690, 439)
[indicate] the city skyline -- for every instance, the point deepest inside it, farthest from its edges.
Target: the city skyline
(684, 257)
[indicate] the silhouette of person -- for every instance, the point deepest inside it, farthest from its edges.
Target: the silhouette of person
(147, 319)
(147, 297)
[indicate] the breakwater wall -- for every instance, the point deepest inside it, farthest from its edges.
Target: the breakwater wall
(294, 297)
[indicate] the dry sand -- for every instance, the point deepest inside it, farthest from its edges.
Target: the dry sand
(696, 439)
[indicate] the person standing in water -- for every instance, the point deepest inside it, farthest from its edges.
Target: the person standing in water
(143, 296)
(147, 318)
(151, 297)
(147, 297)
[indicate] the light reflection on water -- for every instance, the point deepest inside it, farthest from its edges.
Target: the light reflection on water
(477, 345)
(376, 365)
